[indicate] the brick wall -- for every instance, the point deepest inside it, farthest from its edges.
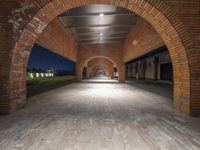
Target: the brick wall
(56, 38)
(142, 39)
(188, 11)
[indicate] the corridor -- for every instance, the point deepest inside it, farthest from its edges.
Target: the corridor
(100, 114)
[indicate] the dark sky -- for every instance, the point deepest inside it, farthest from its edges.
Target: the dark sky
(42, 58)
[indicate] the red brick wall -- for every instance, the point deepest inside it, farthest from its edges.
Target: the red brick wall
(96, 61)
(189, 12)
(56, 38)
(176, 21)
(142, 39)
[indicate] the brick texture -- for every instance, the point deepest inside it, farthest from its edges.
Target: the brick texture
(59, 40)
(101, 64)
(111, 52)
(177, 23)
(142, 39)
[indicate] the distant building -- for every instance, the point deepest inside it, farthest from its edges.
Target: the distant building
(37, 73)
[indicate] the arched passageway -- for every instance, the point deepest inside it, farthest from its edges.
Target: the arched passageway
(173, 32)
(118, 38)
(100, 72)
(96, 63)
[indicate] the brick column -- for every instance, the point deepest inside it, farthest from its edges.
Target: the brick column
(78, 73)
(87, 73)
(122, 73)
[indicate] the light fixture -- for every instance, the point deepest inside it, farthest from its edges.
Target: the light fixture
(101, 34)
(101, 14)
(134, 42)
(37, 75)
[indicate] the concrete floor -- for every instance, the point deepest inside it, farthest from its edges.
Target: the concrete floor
(101, 116)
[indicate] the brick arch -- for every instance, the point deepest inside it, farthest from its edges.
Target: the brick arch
(89, 58)
(100, 61)
(100, 69)
(166, 27)
(94, 70)
(105, 67)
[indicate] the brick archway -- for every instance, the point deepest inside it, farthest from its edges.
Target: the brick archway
(107, 69)
(174, 38)
(104, 64)
(83, 63)
(97, 68)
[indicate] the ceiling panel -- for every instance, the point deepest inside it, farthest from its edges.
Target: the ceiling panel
(98, 23)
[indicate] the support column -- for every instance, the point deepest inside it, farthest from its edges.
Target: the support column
(87, 73)
(78, 73)
(122, 77)
(156, 62)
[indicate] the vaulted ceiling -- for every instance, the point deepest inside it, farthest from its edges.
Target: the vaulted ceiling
(98, 23)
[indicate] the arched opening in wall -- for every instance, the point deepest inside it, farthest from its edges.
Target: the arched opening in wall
(84, 73)
(116, 73)
(99, 63)
(155, 65)
(47, 70)
(125, 36)
(99, 73)
(153, 69)
(165, 28)
(145, 53)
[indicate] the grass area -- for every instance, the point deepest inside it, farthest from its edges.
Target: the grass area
(40, 85)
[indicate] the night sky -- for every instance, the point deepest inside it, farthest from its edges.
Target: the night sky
(42, 58)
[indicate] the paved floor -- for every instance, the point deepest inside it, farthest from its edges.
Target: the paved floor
(101, 116)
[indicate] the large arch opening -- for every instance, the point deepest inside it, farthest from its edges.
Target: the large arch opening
(145, 45)
(99, 72)
(46, 70)
(167, 29)
(99, 63)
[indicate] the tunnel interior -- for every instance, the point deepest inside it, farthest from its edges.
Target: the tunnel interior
(109, 30)
(103, 33)
(135, 82)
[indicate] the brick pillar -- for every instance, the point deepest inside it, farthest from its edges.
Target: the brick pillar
(87, 73)
(156, 62)
(78, 73)
(112, 74)
(122, 73)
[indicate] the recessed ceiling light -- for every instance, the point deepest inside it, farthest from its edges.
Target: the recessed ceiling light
(101, 14)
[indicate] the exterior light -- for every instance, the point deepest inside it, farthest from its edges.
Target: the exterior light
(31, 75)
(37, 75)
(101, 14)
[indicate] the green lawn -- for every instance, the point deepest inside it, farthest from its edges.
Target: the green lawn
(39, 85)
